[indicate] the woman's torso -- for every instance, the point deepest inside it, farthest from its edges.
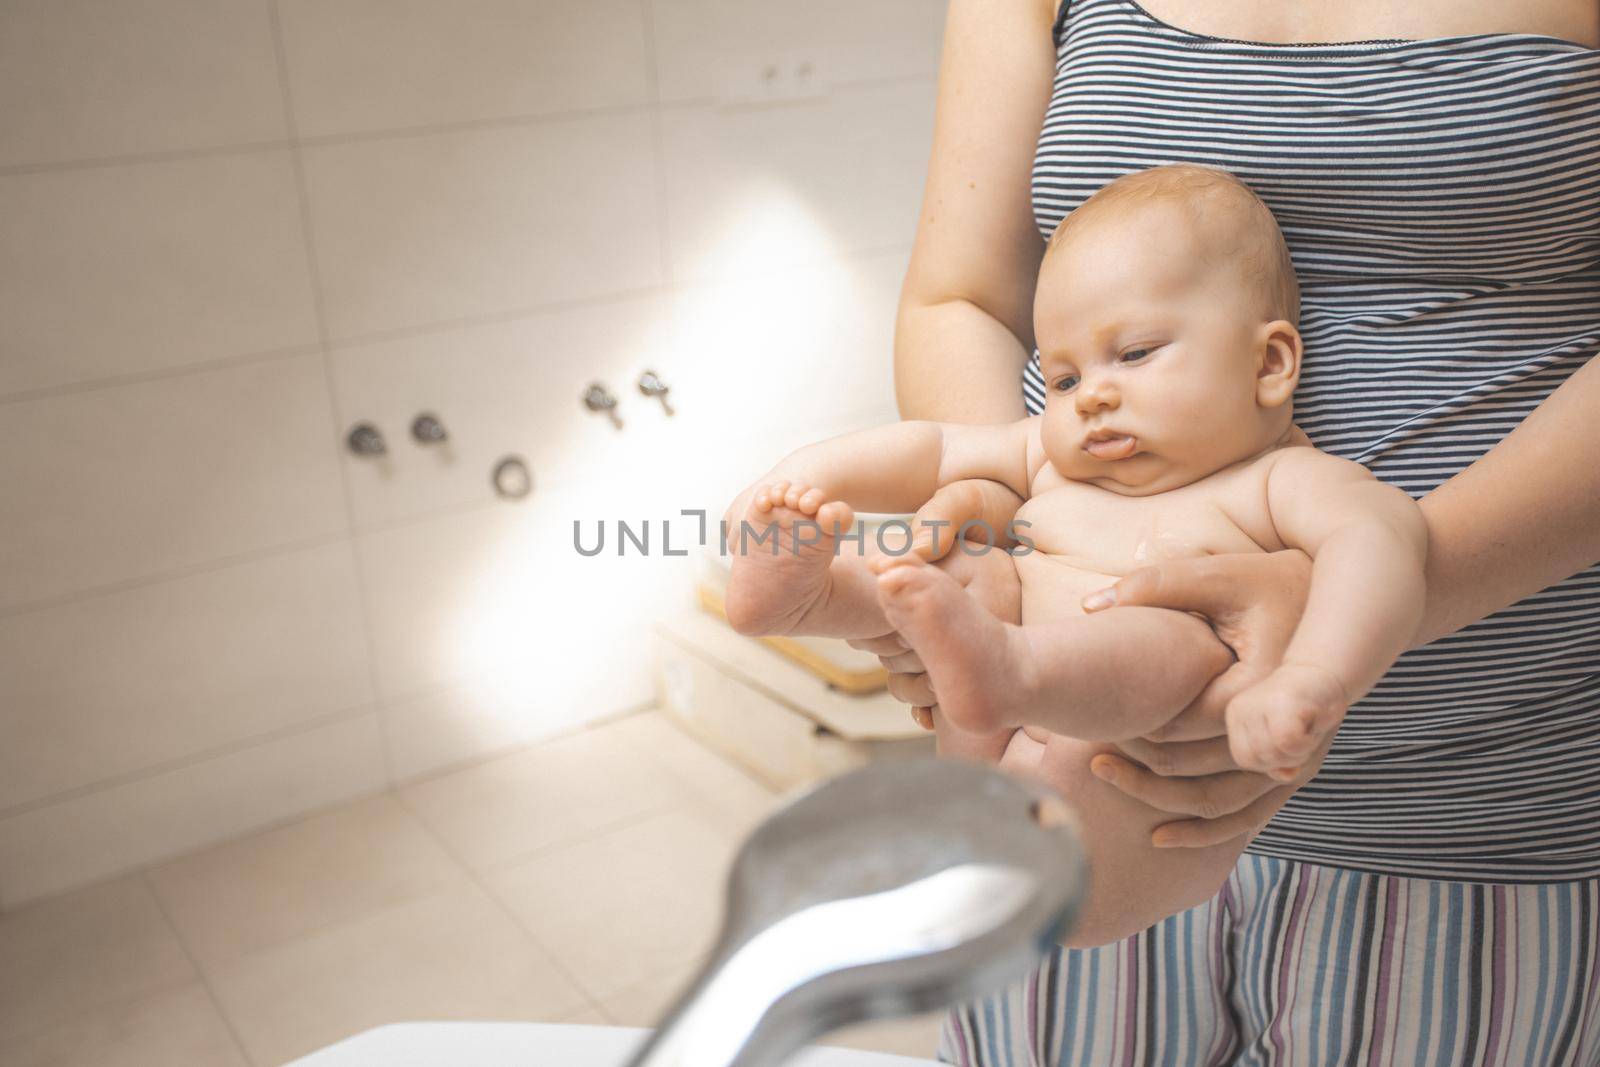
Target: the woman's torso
(1441, 200)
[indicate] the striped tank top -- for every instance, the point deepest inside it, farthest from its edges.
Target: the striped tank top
(1441, 201)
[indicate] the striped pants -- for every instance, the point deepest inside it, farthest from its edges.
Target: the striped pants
(1295, 964)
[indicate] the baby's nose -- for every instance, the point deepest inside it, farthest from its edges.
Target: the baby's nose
(1097, 393)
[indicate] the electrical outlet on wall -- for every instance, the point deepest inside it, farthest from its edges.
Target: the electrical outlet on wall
(781, 78)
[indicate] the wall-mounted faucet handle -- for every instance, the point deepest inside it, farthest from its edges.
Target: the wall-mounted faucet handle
(650, 384)
(365, 440)
(428, 430)
(600, 399)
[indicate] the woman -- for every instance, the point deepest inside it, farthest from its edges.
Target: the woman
(1432, 896)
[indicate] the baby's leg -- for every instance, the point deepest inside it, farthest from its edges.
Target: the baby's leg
(1101, 677)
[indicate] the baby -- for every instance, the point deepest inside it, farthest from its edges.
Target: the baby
(1165, 317)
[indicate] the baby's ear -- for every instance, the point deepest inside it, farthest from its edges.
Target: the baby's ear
(1277, 363)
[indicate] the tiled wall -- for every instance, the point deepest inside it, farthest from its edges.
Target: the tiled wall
(230, 229)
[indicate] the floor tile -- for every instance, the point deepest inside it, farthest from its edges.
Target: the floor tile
(178, 1026)
(729, 796)
(451, 956)
(68, 956)
(645, 1003)
(626, 905)
(271, 888)
(916, 1036)
(559, 791)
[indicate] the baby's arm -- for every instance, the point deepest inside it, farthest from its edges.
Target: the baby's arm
(789, 572)
(1368, 543)
(898, 467)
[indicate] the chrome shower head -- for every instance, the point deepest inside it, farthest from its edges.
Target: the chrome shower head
(896, 889)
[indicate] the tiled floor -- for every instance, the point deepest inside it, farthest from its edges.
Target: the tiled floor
(578, 880)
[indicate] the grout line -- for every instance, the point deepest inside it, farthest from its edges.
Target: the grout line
(319, 297)
(187, 370)
(513, 749)
(658, 142)
(172, 574)
(505, 909)
(200, 972)
(668, 289)
(522, 119)
(172, 155)
(179, 763)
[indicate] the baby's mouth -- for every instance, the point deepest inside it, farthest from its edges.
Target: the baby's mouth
(1112, 446)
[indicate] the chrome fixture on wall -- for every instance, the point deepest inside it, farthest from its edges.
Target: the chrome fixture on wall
(600, 399)
(365, 440)
(428, 430)
(650, 384)
(511, 478)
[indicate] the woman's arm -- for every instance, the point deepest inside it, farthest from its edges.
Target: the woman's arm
(1522, 517)
(965, 324)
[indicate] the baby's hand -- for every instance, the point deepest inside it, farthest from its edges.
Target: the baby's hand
(1274, 725)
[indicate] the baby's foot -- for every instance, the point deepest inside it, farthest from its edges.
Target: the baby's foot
(781, 551)
(1275, 725)
(976, 663)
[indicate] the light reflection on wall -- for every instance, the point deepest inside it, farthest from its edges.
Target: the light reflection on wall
(543, 638)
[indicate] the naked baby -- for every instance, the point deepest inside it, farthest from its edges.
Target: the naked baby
(1165, 316)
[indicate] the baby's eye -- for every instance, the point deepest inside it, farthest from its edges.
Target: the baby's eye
(1135, 353)
(1066, 383)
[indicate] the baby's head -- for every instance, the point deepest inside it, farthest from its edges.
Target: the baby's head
(1167, 311)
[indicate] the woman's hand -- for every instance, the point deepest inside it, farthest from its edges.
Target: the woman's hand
(1254, 602)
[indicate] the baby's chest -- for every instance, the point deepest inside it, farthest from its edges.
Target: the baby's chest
(1098, 531)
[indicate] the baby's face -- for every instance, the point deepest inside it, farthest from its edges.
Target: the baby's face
(1139, 337)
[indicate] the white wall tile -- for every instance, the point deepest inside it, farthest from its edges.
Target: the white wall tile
(706, 47)
(454, 726)
(499, 388)
(67, 844)
(750, 189)
(159, 672)
(381, 64)
(420, 229)
(118, 483)
(113, 271)
(498, 600)
(83, 80)
(780, 359)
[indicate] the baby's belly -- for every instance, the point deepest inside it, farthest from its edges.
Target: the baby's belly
(1053, 588)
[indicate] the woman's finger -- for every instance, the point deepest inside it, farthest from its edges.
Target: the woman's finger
(1181, 759)
(903, 663)
(914, 689)
(1203, 833)
(1211, 797)
(1191, 584)
(887, 645)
